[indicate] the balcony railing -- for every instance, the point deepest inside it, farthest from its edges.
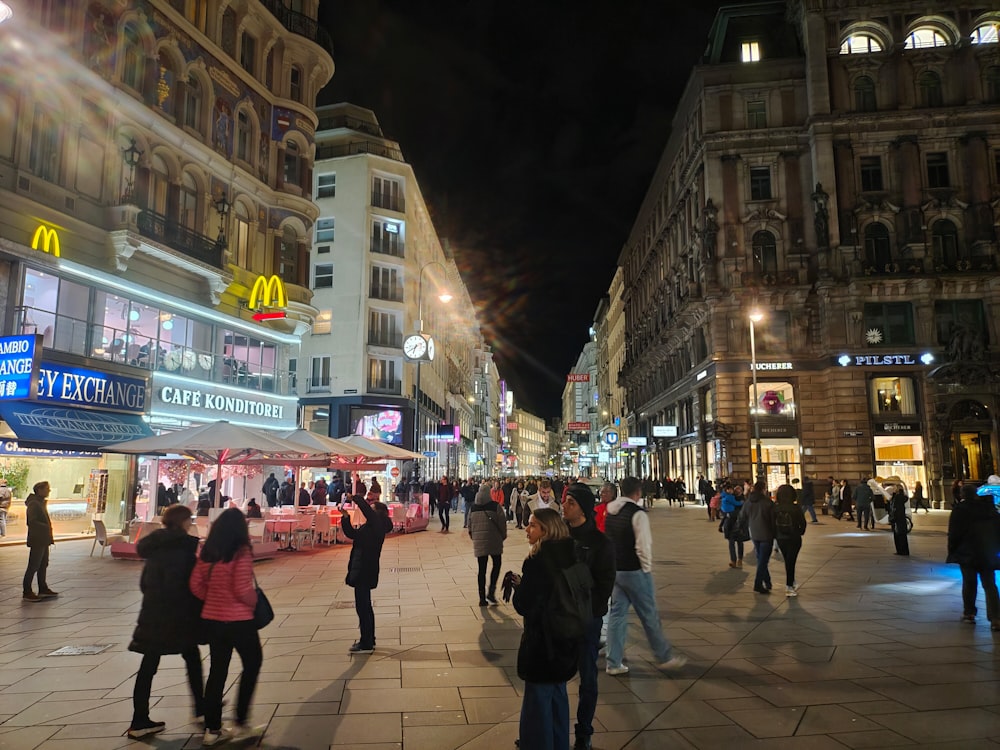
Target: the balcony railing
(387, 294)
(374, 148)
(386, 387)
(394, 340)
(178, 237)
(127, 347)
(301, 24)
(386, 247)
(388, 201)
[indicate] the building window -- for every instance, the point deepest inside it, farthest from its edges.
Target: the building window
(889, 324)
(756, 114)
(323, 323)
(985, 34)
(944, 241)
(382, 376)
(241, 240)
(750, 52)
(384, 329)
(243, 135)
(248, 53)
(323, 276)
(196, 12)
(44, 156)
(387, 193)
(871, 173)
(295, 84)
(929, 89)
(288, 257)
(133, 64)
(326, 185)
(324, 230)
(892, 396)
(864, 94)
(760, 183)
(878, 251)
(189, 203)
(320, 375)
(292, 163)
(228, 34)
(386, 284)
(925, 37)
(192, 103)
(773, 334)
(387, 238)
(775, 400)
(765, 254)
(860, 44)
(293, 366)
(937, 170)
(991, 84)
(958, 321)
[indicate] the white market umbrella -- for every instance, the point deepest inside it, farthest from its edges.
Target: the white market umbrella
(377, 449)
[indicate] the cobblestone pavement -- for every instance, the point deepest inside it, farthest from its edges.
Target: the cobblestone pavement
(870, 654)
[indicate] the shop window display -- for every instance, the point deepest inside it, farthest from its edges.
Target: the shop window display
(773, 400)
(892, 396)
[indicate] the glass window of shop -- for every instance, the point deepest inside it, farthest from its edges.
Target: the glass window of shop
(901, 456)
(57, 309)
(774, 400)
(782, 459)
(317, 419)
(248, 361)
(892, 396)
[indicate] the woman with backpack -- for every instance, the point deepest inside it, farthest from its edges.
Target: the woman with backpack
(789, 526)
(759, 514)
(545, 659)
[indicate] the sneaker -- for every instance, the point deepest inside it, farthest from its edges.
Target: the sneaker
(145, 728)
(246, 731)
(790, 591)
(47, 593)
(675, 662)
(216, 737)
(616, 670)
(358, 648)
(31, 596)
(492, 599)
(971, 619)
(483, 603)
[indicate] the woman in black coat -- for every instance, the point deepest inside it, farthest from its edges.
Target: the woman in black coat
(170, 616)
(545, 660)
(897, 517)
(362, 568)
(974, 543)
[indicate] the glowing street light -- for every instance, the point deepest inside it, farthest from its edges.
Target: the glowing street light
(755, 317)
(5, 11)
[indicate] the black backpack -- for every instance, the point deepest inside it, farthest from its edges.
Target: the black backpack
(570, 608)
(784, 525)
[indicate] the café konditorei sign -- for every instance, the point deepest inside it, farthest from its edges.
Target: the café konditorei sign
(200, 401)
(20, 362)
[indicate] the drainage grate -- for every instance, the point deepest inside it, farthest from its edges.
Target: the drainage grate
(81, 650)
(404, 570)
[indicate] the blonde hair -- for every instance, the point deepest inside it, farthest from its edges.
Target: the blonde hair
(553, 528)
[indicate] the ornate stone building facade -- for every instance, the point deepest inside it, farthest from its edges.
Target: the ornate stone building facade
(834, 167)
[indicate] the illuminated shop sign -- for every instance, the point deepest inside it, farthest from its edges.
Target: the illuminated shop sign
(185, 398)
(62, 384)
(578, 426)
(611, 437)
(664, 430)
(883, 360)
(268, 292)
(46, 239)
(19, 366)
(13, 448)
(637, 441)
(895, 428)
(774, 366)
(446, 433)
(578, 377)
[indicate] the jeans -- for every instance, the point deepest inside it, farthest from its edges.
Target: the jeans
(494, 576)
(865, 517)
(587, 705)
(444, 513)
(635, 588)
(988, 578)
(38, 563)
(763, 552)
(3, 522)
(144, 683)
(790, 551)
(223, 638)
(544, 716)
(468, 508)
(810, 510)
(366, 615)
(735, 550)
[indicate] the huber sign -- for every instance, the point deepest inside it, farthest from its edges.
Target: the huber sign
(578, 377)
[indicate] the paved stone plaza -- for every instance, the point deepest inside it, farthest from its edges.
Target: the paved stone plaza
(871, 653)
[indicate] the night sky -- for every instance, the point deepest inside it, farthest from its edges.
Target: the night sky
(533, 129)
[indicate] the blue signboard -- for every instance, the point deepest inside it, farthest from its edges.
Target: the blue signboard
(13, 448)
(19, 360)
(430, 454)
(77, 386)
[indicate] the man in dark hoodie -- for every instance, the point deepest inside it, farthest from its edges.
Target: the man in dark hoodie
(974, 544)
(40, 538)
(363, 565)
(595, 549)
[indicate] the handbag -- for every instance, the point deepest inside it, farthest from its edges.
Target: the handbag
(263, 612)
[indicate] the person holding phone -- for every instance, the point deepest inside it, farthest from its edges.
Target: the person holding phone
(363, 566)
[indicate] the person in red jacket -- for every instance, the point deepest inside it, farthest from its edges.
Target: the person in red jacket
(223, 580)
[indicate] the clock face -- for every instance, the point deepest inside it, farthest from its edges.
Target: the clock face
(415, 346)
(430, 349)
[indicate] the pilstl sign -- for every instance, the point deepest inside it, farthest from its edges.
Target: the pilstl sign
(268, 292)
(46, 239)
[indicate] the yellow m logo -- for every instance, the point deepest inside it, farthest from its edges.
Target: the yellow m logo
(268, 292)
(46, 239)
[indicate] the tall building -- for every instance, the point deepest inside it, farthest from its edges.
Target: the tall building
(834, 169)
(380, 274)
(155, 194)
(528, 445)
(580, 415)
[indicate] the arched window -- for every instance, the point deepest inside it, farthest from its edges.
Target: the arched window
(244, 136)
(929, 89)
(944, 240)
(295, 84)
(864, 94)
(878, 251)
(860, 44)
(189, 203)
(925, 37)
(288, 256)
(241, 237)
(765, 253)
(159, 185)
(133, 59)
(292, 166)
(986, 33)
(991, 84)
(192, 103)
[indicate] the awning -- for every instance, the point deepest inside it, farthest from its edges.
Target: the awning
(56, 427)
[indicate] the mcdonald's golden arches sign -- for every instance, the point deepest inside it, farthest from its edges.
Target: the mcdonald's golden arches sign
(268, 292)
(46, 239)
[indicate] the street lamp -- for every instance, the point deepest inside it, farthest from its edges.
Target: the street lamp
(5, 11)
(222, 207)
(755, 317)
(420, 348)
(131, 156)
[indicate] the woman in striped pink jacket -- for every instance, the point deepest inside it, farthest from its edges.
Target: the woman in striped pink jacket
(223, 580)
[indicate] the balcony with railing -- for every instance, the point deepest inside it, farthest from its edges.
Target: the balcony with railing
(386, 387)
(390, 201)
(301, 24)
(127, 347)
(176, 236)
(394, 340)
(386, 292)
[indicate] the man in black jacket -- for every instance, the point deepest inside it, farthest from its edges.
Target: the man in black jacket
(40, 538)
(596, 550)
